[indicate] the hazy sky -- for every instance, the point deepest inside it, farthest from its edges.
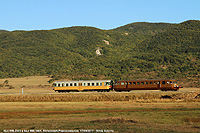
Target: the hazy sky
(103, 14)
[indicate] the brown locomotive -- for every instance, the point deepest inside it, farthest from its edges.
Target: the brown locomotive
(152, 84)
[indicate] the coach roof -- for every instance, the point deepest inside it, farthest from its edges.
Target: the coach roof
(81, 81)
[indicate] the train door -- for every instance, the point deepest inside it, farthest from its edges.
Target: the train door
(159, 85)
(80, 86)
(126, 85)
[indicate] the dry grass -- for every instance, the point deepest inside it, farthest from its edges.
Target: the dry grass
(17, 114)
(27, 90)
(195, 120)
(106, 105)
(124, 116)
(31, 84)
(27, 82)
(91, 97)
(114, 120)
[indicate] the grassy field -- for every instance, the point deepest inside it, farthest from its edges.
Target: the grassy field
(111, 116)
(39, 108)
(31, 84)
(31, 81)
(101, 112)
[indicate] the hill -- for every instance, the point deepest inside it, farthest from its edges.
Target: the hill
(146, 28)
(134, 51)
(3, 31)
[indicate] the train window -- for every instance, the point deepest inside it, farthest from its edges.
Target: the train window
(58, 84)
(170, 82)
(97, 84)
(150, 83)
(142, 83)
(63, 84)
(100, 84)
(92, 84)
(146, 83)
(158, 82)
(88, 84)
(138, 83)
(175, 82)
(67, 84)
(122, 83)
(163, 82)
(134, 83)
(75, 84)
(107, 83)
(118, 83)
(154, 82)
(54, 85)
(130, 83)
(71, 84)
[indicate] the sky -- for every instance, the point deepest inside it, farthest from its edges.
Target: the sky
(103, 14)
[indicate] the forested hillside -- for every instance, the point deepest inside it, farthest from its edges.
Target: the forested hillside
(134, 51)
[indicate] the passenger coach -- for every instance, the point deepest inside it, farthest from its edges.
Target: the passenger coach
(82, 85)
(156, 84)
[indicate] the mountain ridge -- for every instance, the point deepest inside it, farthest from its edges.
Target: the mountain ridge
(135, 51)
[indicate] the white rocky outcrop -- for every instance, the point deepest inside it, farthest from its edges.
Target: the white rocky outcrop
(107, 42)
(98, 51)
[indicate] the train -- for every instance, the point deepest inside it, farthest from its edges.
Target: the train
(121, 85)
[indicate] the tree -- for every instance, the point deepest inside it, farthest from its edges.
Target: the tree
(5, 82)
